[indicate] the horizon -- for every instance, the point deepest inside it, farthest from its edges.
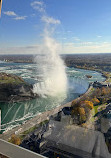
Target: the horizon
(59, 54)
(81, 27)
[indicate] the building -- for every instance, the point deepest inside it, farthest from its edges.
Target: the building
(97, 84)
(105, 119)
(73, 141)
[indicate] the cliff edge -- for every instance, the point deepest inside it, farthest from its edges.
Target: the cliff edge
(13, 88)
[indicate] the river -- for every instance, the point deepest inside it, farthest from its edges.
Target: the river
(13, 114)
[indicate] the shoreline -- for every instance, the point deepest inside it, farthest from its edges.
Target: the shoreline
(36, 120)
(96, 70)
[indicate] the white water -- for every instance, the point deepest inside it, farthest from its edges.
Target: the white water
(52, 70)
(49, 63)
(13, 114)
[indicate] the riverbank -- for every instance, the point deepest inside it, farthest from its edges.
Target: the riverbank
(38, 119)
(105, 74)
(14, 89)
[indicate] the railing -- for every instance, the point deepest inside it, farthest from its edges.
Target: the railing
(13, 151)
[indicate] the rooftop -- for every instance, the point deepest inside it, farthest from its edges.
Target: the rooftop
(75, 140)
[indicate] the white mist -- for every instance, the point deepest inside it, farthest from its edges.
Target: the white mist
(50, 66)
(52, 69)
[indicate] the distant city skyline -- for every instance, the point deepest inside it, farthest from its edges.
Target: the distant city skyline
(81, 26)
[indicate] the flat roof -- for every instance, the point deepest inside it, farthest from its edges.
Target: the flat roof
(76, 140)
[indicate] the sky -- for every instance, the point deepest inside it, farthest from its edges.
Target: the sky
(81, 26)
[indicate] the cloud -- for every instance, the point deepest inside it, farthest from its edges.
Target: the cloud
(50, 20)
(10, 13)
(64, 38)
(38, 5)
(99, 36)
(76, 39)
(89, 42)
(69, 31)
(87, 47)
(14, 15)
(84, 47)
(33, 15)
(20, 18)
(20, 50)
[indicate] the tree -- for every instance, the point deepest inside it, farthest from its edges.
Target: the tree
(95, 101)
(88, 104)
(15, 139)
(98, 92)
(103, 91)
(74, 103)
(82, 115)
(79, 112)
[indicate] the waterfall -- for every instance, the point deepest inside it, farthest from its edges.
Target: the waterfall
(50, 66)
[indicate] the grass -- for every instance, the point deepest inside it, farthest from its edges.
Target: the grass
(96, 109)
(108, 74)
(92, 113)
(32, 129)
(108, 80)
(101, 107)
(19, 138)
(22, 135)
(10, 79)
(91, 91)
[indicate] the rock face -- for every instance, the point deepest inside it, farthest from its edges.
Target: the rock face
(88, 76)
(14, 88)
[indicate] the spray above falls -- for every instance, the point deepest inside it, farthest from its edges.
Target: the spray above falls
(50, 67)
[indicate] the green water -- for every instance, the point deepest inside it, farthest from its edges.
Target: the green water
(13, 114)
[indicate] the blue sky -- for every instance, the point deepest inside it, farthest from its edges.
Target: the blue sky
(82, 26)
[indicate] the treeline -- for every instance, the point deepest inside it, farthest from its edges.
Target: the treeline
(92, 61)
(81, 109)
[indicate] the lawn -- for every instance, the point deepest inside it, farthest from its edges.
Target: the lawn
(96, 109)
